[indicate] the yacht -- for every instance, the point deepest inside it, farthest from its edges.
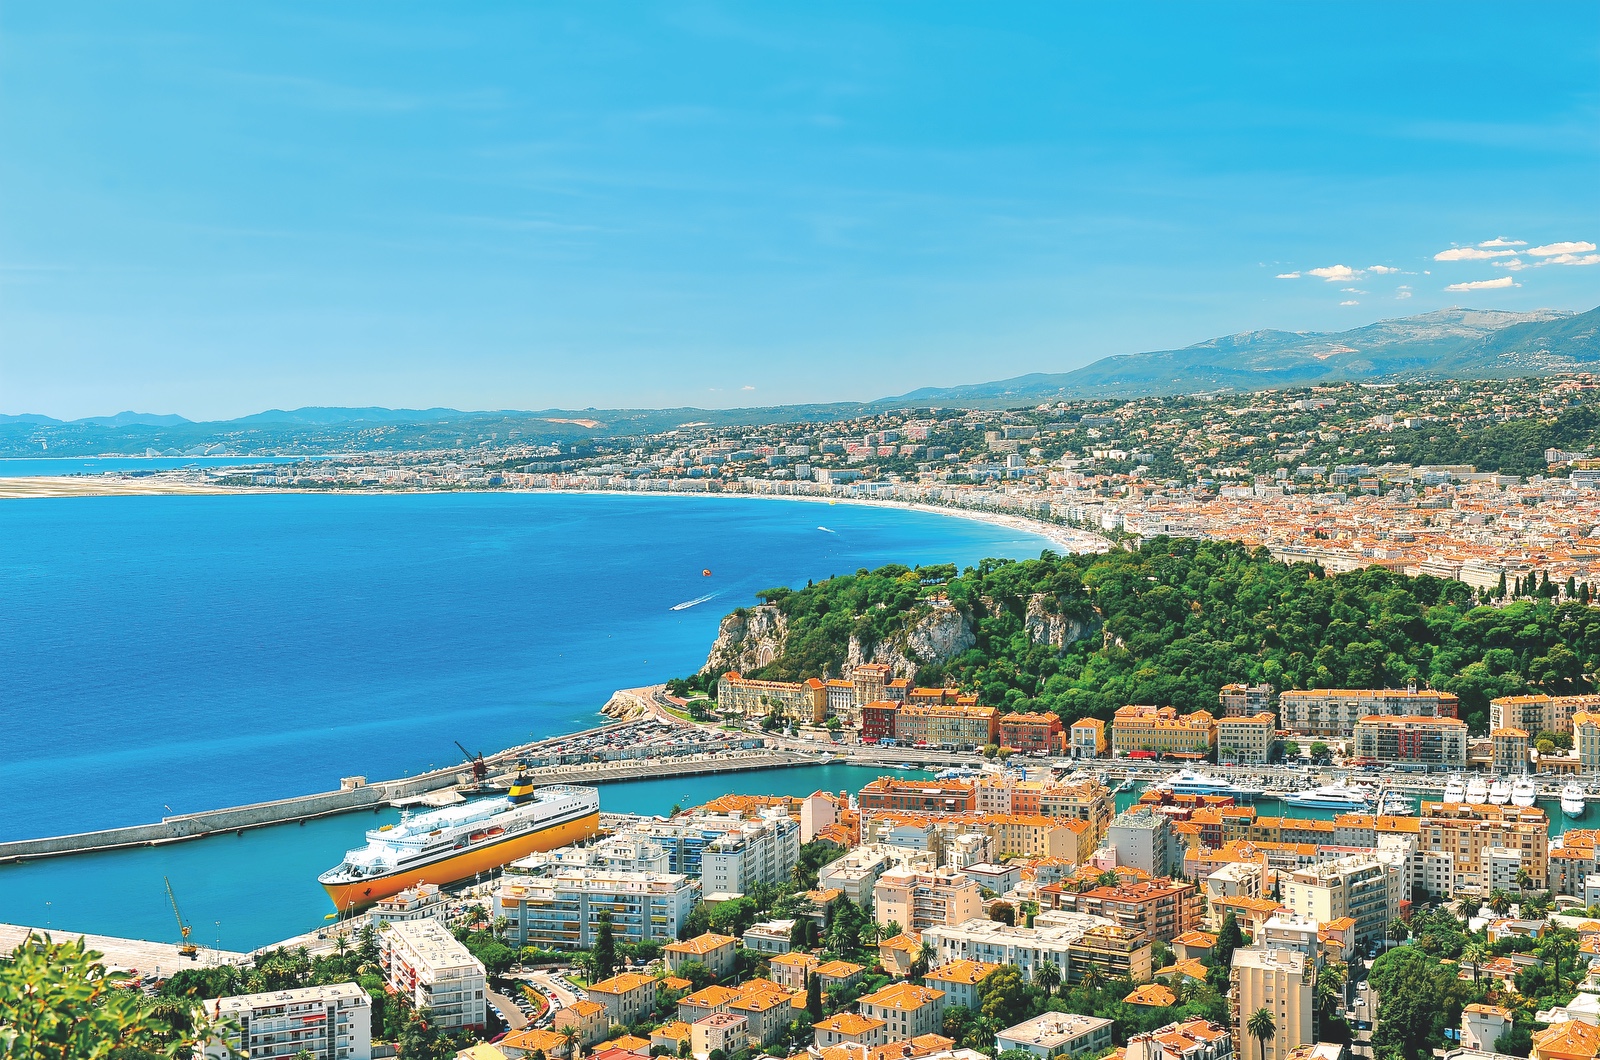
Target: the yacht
(1499, 792)
(1396, 804)
(1340, 795)
(1523, 792)
(1454, 789)
(1477, 791)
(1572, 803)
(1194, 782)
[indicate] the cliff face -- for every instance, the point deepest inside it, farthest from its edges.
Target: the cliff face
(1046, 625)
(932, 635)
(748, 639)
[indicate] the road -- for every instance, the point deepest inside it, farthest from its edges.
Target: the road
(1366, 1008)
(514, 1018)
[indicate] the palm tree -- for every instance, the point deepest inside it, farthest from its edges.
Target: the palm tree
(1047, 978)
(1262, 1029)
(871, 933)
(571, 1039)
(1467, 908)
(1474, 953)
(1500, 902)
(1092, 978)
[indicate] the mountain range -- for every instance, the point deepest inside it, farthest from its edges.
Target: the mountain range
(1449, 343)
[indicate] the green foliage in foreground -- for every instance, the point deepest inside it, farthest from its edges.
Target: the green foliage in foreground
(1181, 617)
(57, 1000)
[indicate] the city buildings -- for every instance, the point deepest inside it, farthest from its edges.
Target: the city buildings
(1360, 886)
(1427, 742)
(1282, 982)
(1539, 713)
(806, 700)
(1244, 701)
(562, 910)
(1510, 751)
(326, 1022)
(1154, 731)
(627, 997)
(924, 796)
(954, 726)
(917, 900)
(1333, 712)
(959, 980)
(423, 962)
(716, 952)
(906, 1010)
(1057, 1034)
(1468, 833)
(1162, 908)
(1030, 733)
(1142, 839)
(1088, 738)
(1246, 739)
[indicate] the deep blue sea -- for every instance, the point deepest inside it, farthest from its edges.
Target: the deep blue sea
(170, 654)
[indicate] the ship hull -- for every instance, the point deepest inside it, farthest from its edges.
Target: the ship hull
(457, 867)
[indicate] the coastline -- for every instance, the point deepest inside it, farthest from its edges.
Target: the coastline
(1065, 538)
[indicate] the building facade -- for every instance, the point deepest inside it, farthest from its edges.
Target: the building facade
(1139, 730)
(1244, 701)
(423, 961)
(1088, 738)
(329, 1022)
(1391, 739)
(1335, 711)
(919, 900)
(1030, 733)
(562, 910)
(1282, 982)
(1246, 739)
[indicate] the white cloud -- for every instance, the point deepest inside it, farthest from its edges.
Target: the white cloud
(1381, 270)
(1350, 303)
(747, 388)
(1402, 293)
(1573, 259)
(1333, 273)
(1484, 285)
(1470, 254)
(1502, 241)
(1550, 250)
(1288, 276)
(1511, 264)
(1352, 290)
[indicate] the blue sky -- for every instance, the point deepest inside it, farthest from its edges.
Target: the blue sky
(212, 209)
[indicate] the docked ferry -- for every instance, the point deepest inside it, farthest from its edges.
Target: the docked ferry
(456, 842)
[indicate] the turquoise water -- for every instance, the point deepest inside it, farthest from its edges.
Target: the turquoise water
(192, 652)
(1559, 822)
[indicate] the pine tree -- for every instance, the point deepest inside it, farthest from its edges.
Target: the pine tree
(814, 998)
(605, 948)
(1502, 593)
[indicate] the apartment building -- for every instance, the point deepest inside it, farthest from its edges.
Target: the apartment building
(1335, 711)
(423, 961)
(1190, 1040)
(628, 997)
(1117, 952)
(1087, 800)
(954, 727)
(1246, 739)
(917, 900)
(1539, 713)
(1510, 751)
(878, 721)
(803, 700)
(1154, 731)
(990, 942)
(1087, 738)
(1051, 1034)
(716, 952)
(1030, 733)
(1038, 836)
(1392, 739)
(562, 910)
(422, 902)
(1142, 839)
(907, 1010)
(761, 851)
(1359, 886)
(849, 1028)
(328, 1022)
(1586, 739)
(1162, 908)
(1467, 833)
(1244, 701)
(1282, 982)
(959, 980)
(918, 796)
(856, 873)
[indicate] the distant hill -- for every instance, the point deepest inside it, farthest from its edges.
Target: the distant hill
(1449, 343)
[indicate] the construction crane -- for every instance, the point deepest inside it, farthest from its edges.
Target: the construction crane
(480, 772)
(185, 947)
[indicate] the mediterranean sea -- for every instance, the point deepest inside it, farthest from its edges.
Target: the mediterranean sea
(169, 654)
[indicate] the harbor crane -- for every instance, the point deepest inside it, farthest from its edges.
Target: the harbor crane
(480, 771)
(185, 947)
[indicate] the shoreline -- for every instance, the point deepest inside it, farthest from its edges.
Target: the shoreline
(1066, 538)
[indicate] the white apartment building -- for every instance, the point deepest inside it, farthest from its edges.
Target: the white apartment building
(329, 1022)
(1053, 1034)
(1142, 839)
(1361, 886)
(424, 962)
(857, 872)
(761, 851)
(422, 902)
(991, 942)
(562, 910)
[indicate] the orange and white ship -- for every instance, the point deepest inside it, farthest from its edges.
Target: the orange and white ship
(458, 842)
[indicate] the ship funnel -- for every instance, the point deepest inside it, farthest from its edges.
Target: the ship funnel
(521, 789)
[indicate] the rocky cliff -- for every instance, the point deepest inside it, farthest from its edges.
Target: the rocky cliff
(748, 639)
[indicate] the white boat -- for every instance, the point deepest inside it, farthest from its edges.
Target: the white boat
(1454, 789)
(1499, 792)
(1572, 803)
(1396, 804)
(1341, 795)
(1477, 791)
(1523, 792)
(1194, 782)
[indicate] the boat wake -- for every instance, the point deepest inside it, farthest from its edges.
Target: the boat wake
(692, 603)
(827, 531)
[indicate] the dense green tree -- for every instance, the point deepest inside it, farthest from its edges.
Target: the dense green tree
(1419, 997)
(814, 998)
(605, 947)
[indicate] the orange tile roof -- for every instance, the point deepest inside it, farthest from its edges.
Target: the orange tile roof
(850, 1023)
(960, 971)
(701, 944)
(1152, 994)
(903, 996)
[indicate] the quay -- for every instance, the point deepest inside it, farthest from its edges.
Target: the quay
(136, 956)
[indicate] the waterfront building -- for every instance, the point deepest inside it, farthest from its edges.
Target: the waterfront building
(424, 901)
(1510, 751)
(907, 1010)
(1540, 712)
(1586, 738)
(1088, 738)
(1155, 731)
(327, 1022)
(917, 900)
(628, 997)
(878, 721)
(1282, 982)
(1244, 701)
(562, 910)
(424, 962)
(1052, 1034)
(959, 980)
(1142, 839)
(802, 700)
(1246, 739)
(716, 952)
(1031, 732)
(1391, 739)
(1335, 711)
(954, 727)
(918, 796)
(1360, 886)
(1162, 908)
(1468, 832)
